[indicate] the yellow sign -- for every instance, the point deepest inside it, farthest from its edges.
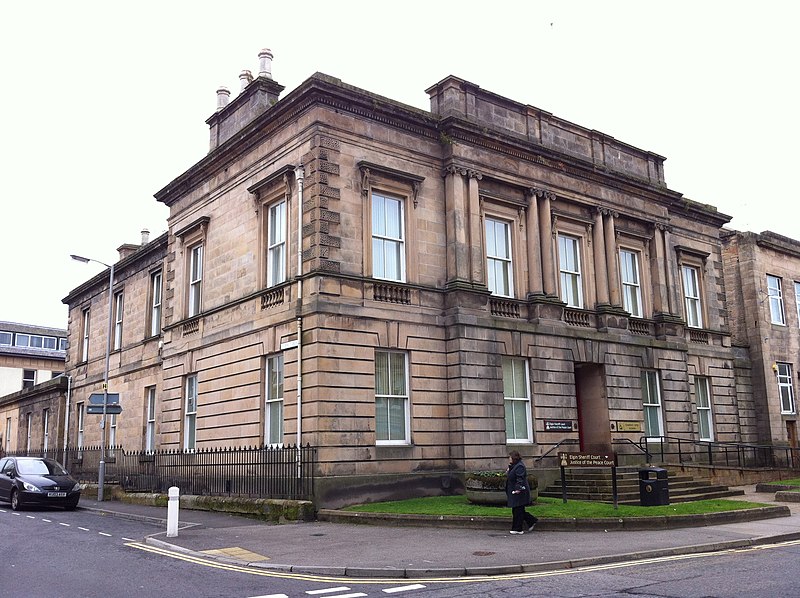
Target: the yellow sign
(629, 426)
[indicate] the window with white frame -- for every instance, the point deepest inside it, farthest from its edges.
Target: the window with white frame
(391, 398)
(631, 282)
(276, 243)
(117, 339)
(85, 335)
(499, 273)
(651, 403)
(112, 436)
(62, 344)
(388, 238)
(155, 303)
(775, 292)
(45, 429)
(8, 435)
(797, 299)
(80, 412)
(273, 407)
(6, 339)
(190, 414)
(195, 280)
(28, 378)
(705, 419)
(150, 419)
(29, 431)
(785, 387)
(517, 401)
(569, 265)
(691, 294)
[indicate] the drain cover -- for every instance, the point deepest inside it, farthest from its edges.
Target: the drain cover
(482, 553)
(316, 534)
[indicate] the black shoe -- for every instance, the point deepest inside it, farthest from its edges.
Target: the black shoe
(532, 525)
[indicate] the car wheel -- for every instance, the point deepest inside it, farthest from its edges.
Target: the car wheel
(16, 503)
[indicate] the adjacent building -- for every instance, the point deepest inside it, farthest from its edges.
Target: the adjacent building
(762, 272)
(414, 293)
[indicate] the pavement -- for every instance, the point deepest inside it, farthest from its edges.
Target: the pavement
(427, 549)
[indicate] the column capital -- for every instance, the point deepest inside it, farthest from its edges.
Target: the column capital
(462, 170)
(540, 193)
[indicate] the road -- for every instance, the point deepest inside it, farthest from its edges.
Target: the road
(53, 553)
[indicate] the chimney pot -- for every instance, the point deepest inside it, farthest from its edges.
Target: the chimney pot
(223, 95)
(145, 236)
(265, 63)
(246, 77)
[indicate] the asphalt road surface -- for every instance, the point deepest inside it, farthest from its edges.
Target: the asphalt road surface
(54, 553)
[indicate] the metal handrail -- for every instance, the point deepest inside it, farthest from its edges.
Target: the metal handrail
(565, 441)
(719, 453)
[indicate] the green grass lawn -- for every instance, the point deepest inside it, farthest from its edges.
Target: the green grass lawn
(794, 482)
(548, 507)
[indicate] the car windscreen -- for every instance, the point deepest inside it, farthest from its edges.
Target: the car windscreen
(39, 467)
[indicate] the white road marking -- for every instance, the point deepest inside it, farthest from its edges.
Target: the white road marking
(83, 529)
(47, 520)
(128, 540)
(271, 596)
(104, 534)
(30, 516)
(328, 590)
(64, 524)
(416, 586)
(355, 595)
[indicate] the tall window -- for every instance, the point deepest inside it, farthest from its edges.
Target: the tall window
(85, 335)
(80, 412)
(786, 387)
(276, 244)
(388, 240)
(705, 421)
(117, 322)
(631, 282)
(651, 403)
(776, 313)
(45, 429)
(391, 398)
(155, 303)
(28, 378)
(691, 294)
(195, 279)
(112, 436)
(569, 264)
(498, 258)
(797, 299)
(29, 431)
(273, 424)
(150, 418)
(517, 400)
(190, 419)
(6, 339)
(8, 435)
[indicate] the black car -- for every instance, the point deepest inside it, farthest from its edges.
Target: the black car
(35, 481)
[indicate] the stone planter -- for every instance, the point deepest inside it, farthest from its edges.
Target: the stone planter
(489, 488)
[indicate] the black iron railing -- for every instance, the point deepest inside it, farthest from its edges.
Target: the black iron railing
(729, 454)
(257, 472)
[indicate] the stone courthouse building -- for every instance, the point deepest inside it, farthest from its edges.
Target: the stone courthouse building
(415, 293)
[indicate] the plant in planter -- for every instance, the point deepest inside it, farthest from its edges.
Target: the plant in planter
(489, 487)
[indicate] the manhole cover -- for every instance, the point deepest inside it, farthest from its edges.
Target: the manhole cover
(482, 553)
(316, 534)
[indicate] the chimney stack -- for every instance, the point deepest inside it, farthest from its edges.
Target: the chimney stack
(246, 77)
(265, 63)
(145, 236)
(223, 95)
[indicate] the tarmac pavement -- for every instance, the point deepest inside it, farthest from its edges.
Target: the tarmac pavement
(357, 550)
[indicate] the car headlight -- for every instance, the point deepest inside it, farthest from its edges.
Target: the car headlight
(30, 487)
(76, 487)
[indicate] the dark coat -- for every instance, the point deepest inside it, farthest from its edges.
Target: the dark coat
(517, 479)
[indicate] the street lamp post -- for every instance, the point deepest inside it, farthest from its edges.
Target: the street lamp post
(101, 473)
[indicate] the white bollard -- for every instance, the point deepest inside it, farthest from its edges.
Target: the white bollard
(172, 512)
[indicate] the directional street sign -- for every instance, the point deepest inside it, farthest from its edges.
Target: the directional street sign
(114, 409)
(96, 398)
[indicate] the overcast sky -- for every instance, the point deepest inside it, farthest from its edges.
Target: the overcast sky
(105, 102)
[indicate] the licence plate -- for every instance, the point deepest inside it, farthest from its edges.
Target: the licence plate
(56, 495)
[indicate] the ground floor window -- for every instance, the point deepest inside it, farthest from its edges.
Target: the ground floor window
(785, 387)
(516, 399)
(651, 403)
(273, 424)
(705, 423)
(391, 398)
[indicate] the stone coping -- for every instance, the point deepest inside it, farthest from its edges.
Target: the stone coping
(557, 524)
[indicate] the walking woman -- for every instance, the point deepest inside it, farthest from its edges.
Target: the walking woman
(519, 494)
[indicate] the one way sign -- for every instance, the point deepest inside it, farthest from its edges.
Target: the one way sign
(96, 398)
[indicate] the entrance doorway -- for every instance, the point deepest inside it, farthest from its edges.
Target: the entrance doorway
(594, 427)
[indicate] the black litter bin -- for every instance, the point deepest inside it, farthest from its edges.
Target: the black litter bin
(653, 487)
